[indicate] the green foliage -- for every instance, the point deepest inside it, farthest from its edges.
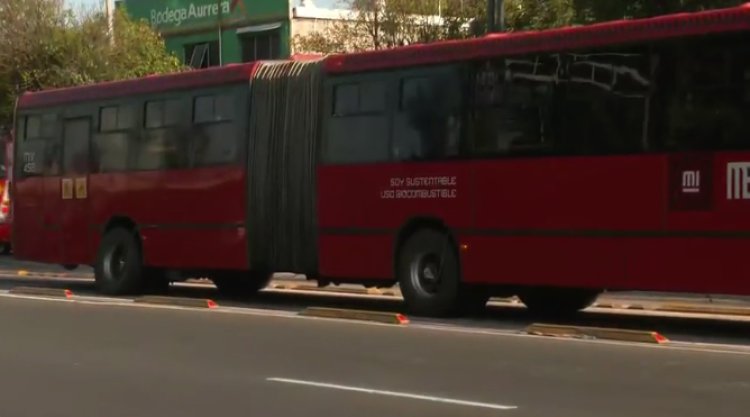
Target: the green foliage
(43, 45)
(376, 24)
(542, 14)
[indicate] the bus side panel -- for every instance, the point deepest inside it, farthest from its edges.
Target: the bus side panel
(361, 209)
(187, 219)
(561, 221)
(27, 217)
(708, 224)
(545, 261)
(697, 265)
(365, 256)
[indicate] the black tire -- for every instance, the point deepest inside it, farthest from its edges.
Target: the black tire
(241, 284)
(557, 302)
(119, 264)
(429, 274)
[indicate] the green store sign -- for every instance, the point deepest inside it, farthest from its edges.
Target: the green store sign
(180, 14)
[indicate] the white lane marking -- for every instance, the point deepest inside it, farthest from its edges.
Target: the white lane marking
(395, 394)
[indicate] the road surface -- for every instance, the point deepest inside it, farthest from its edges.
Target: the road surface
(73, 359)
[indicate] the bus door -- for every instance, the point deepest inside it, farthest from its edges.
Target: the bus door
(74, 206)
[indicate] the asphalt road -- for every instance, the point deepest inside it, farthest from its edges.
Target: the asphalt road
(72, 359)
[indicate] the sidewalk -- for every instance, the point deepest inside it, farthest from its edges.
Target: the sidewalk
(646, 298)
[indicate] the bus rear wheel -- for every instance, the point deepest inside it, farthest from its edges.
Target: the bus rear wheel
(429, 274)
(555, 302)
(119, 266)
(241, 283)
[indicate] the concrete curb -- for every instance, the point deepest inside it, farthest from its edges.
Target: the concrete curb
(47, 292)
(363, 315)
(26, 273)
(362, 291)
(619, 306)
(718, 310)
(599, 333)
(176, 301)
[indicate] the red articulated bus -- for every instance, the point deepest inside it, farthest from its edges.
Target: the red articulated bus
(553, 165)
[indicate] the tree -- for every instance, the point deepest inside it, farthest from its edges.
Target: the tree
(376, 24)
(542, 14)
(44, 45)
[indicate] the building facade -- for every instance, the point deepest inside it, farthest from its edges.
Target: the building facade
(216, 32)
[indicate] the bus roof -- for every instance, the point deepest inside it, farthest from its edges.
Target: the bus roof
(150, 84)
(577, 37)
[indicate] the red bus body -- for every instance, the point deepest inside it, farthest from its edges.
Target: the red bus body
(186, 218)
(660, 218)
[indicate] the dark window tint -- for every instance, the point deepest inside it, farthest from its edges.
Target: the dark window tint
(359, 98)
(39, 145)
(33, 127)
(346, 99)
(702, 94)
(30, 152)
(606, 98)
(214, 136)
(428, 122)
(163, 113)
(108, 119)
(215, 144)
(161, 149)
(116, 118)
(358, 130)
(112, 151)
(50, 126)
(202, 55)
(208, 109)
(263, 45)
(372, 97)
(126, 117)
(76, 135)
(154, 114)
(511, 109)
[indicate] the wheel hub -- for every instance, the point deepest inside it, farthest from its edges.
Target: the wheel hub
(115, 263)
(425, 273)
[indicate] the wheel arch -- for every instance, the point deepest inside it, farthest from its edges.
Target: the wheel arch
(415, 224)
(117, 220)
(127, 223)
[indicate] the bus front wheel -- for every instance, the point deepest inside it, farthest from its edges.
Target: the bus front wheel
(119, 265)
(429, 274)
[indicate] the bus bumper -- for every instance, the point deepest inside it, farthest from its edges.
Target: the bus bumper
(4, 234)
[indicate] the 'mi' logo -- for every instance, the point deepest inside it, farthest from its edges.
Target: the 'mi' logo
(691, 181)
(738, 181)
